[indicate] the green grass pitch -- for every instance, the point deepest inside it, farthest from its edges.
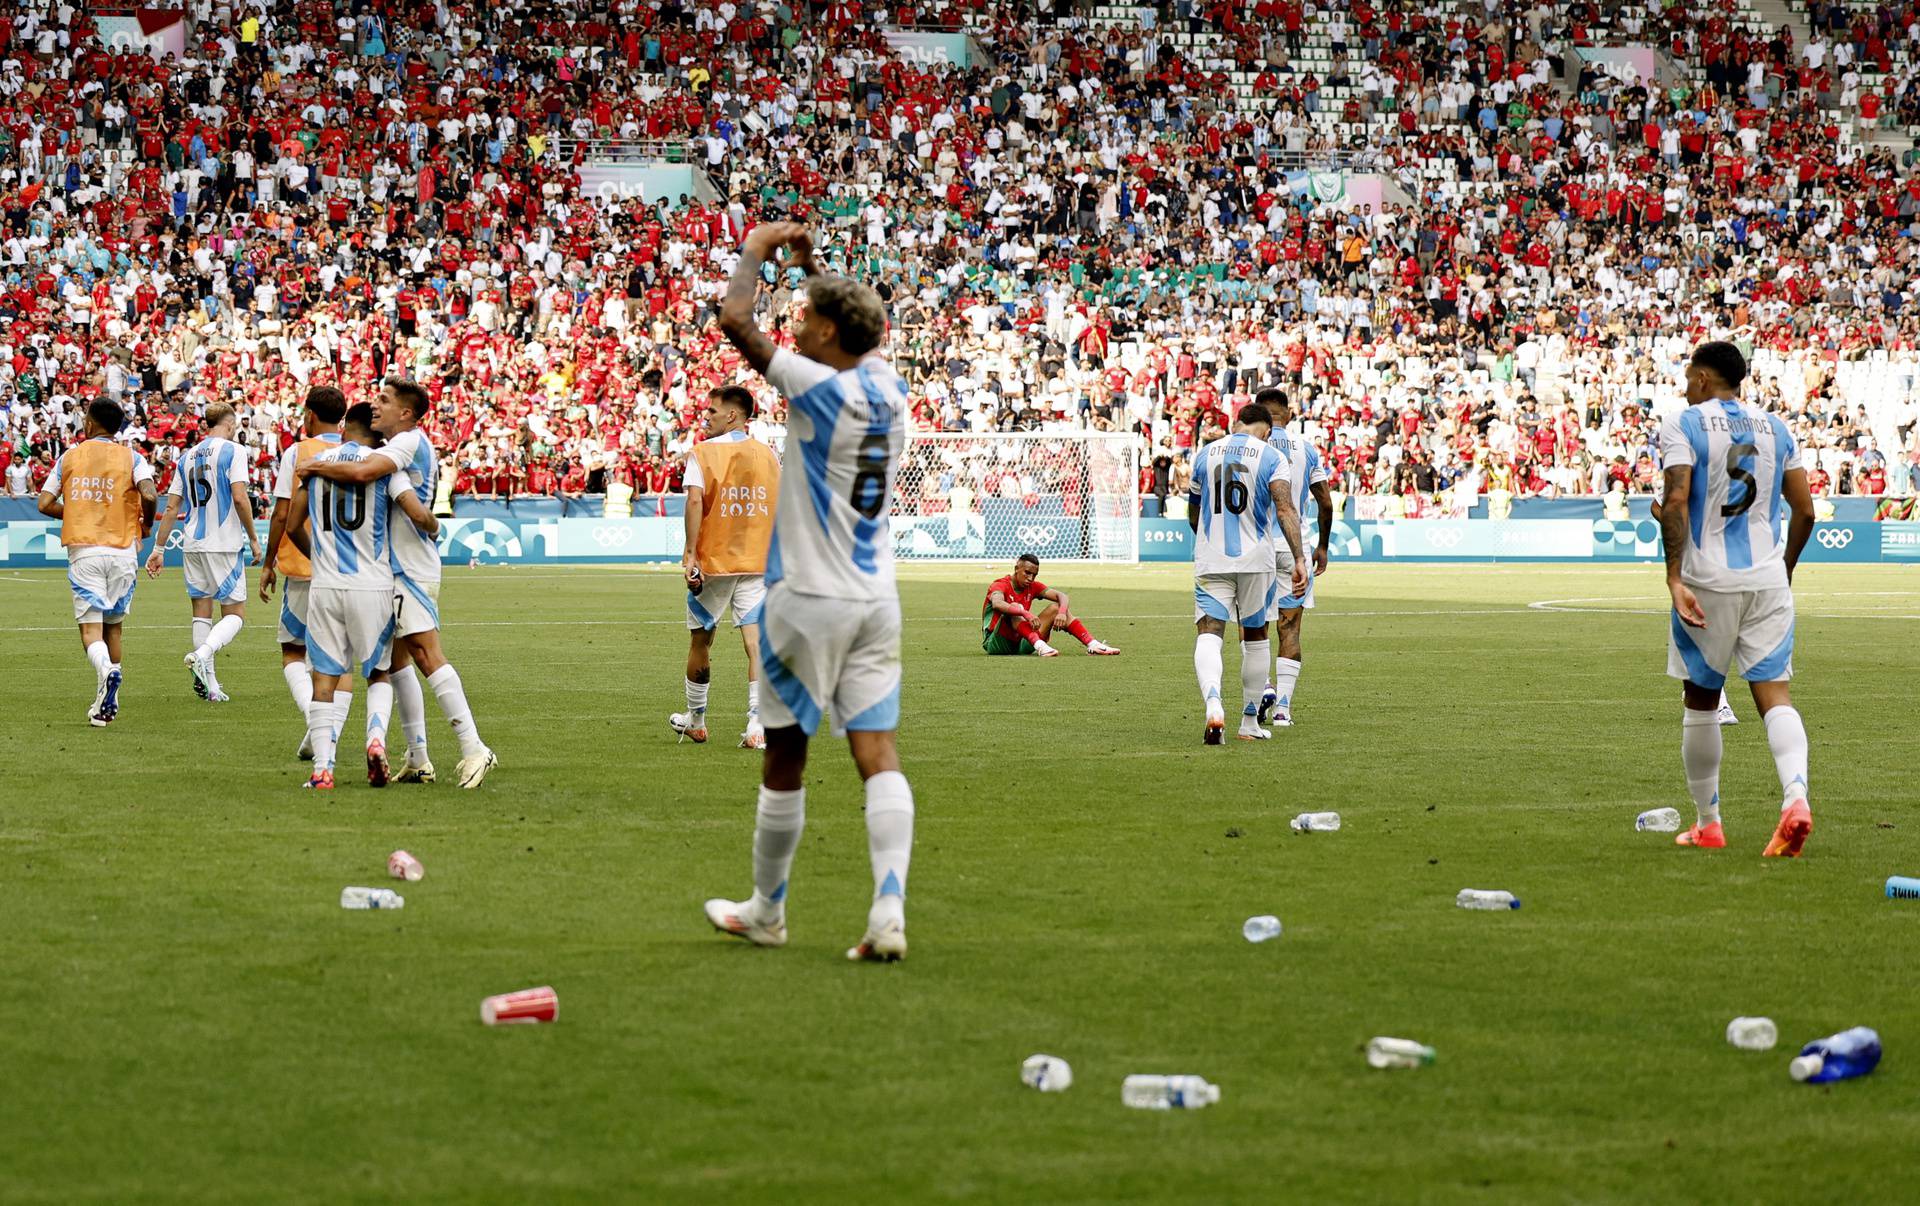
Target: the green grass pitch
(189, 1015)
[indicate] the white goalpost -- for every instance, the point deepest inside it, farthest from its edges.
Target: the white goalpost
(1066, 496)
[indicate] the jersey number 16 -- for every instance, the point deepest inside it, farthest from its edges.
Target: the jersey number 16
(1230, 492)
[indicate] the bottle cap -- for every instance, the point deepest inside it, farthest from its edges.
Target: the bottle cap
(1209, 1093)
(1514, 903)
(1805, 1066)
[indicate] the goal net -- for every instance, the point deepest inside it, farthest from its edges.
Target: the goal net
(1071, 496)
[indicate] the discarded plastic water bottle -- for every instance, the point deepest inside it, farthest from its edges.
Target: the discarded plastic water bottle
(1398, 1053)
(1261, 928)
(1316, 822)
(1168, 1092)
(1480, 898)
(1659, 820)
(1047, 1073)
(473, 562)
(1841, 1056)
(371, 898)
(1903, 887)
(1753, 1034)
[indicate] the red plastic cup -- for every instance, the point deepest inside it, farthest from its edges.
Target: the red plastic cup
(527, 1005)
(401, 865)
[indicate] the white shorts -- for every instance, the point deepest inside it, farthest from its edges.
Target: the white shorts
(102, 587)
(419, 606)
(837, 655)
(1283, 583)
(1751, 631)
(293, 610)
(743, 594)
(349, 630)
(1243, 599)
(216, 576)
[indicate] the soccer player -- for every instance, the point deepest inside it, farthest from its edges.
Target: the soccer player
(208, 498)
(1730, 469)
(1306, 475)
(1725, 713)
(351, 604)
(1010, 623)
(732, 481)
(397, 414)
(319, 432)
(1244, 524)
(102, 494)
(830, 630)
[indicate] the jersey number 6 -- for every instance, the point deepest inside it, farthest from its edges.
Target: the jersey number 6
(869, 494)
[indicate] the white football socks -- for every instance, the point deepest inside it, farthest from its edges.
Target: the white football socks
(778, 822)
(221, 635)
(320, 722)
(101, 659)
(379, 710)
(889, 843)
(342, 704)
(1787, 735)
(1700, 753)
(202, 625)
(1253, 672)
(299, 678)
(453, 705)
(1286, 677)
(410, 703)
(697, 697)
(1206, 665)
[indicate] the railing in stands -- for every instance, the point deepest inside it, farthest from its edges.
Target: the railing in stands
(624, 150)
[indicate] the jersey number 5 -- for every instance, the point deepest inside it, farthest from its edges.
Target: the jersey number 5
(1230, 488)
(344, 505)
(1740, 459)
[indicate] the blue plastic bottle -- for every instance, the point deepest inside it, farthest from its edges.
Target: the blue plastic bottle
(1903, 887)
(1843, 1056)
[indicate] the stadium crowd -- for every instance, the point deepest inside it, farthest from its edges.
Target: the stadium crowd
(1093, 229)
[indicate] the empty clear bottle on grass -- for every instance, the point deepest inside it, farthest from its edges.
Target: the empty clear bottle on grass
(1316, 822)
(1658, 820)
(1481, 898)
(1398, 1053)
(371, 898)
(1144, 1092)
(1261, 928)
(1753, 1034)
(1841, 1056)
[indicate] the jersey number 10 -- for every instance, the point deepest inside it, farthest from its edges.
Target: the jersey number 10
(343, 505)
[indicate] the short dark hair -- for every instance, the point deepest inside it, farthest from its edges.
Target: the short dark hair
(359, 416)
(858, 317)
(736, 396)
(1724, 360)
(1253, 412)
(1029, 558)
(326, 403)
(1271, 397)
(107, 415)
(410, 394)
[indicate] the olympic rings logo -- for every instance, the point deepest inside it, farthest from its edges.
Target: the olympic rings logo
(611, 537)
(177, 538)
(1445, 538)
(1035, 534)
(1834, 538)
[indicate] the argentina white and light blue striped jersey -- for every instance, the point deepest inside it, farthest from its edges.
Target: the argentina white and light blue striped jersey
(845, 433)
(1232, 491)
(1740, 454)
(1301, 466)
(349, 526)
(415, 554)
(206, 480)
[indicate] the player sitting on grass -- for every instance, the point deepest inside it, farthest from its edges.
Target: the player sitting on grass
(1010, 623)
